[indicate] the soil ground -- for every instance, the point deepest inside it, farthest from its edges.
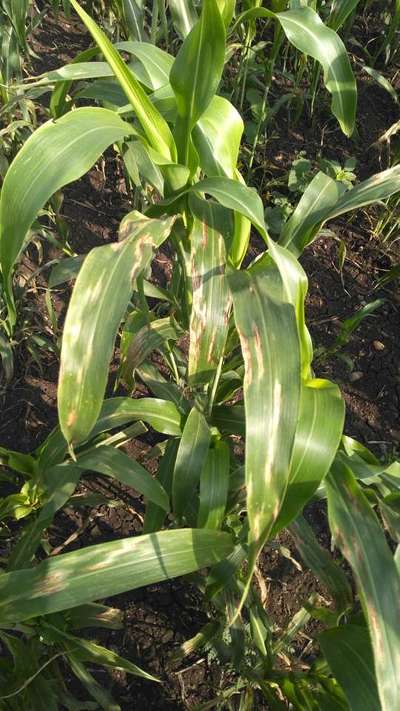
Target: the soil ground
(158, 618)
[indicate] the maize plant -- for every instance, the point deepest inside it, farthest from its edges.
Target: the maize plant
(237, 372)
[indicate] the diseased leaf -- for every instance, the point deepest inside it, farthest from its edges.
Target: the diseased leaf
(98, 303)
(359, 536)
(99, 571)
(267, 328)
(210, 296)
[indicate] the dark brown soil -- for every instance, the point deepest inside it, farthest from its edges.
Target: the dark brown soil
(158, 618)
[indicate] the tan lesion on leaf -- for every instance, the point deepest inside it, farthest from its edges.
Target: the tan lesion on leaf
(97, 566)
(50, 584)
(204, 237)
(258, 351)
(72, 418)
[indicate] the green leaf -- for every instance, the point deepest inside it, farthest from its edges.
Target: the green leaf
(235, 196)
(99, 571)
(155, 515)
(325, 199)
(156, 64)
(349, 654)
(87, 651)
(53, 156)
(136, 347)
(320, 196)
(190, 459)
(357, 533)
(63, 479)
(211, 301)
(306, 31)
(116, 464)
(214, 484)
(218, 150)
(98, 303)
(196, 73)
(315, 445)
(153, 124)
(161, 415)
(383, 82)
(266, 324)
(184, 15)
(322, 564)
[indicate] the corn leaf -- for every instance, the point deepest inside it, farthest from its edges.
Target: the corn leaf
(161, 415)
(218, 150)
(306, 31)
(63, 480)
(116, 464)
(214, 484)
(325, 199)
(210, 296)
(235, 196)
(99, 571)
(341, 9)
(266, 324)
(155, 515)
(322, 564)
(196, 73)
(190, 459)
(98, 303)
(153, 124)
(359, 536)
(315, 446)
(348, 652)
(156, 64)
(184, 15)
(47, 161)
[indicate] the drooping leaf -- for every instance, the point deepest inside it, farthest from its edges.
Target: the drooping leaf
(315, 445)
(98, 303)
(218, 150)
(116, 464)
(324, 199)
(99, 571)
(306, 31)
(358, 534)
(235, 196)
(48, 160)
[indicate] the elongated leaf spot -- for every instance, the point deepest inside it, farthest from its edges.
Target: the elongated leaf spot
(53, 583)
(71, 418)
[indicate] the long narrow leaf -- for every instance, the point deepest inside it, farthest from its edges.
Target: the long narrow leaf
(107, 569)
(98, 303)
(358, 534)
(56, 154)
